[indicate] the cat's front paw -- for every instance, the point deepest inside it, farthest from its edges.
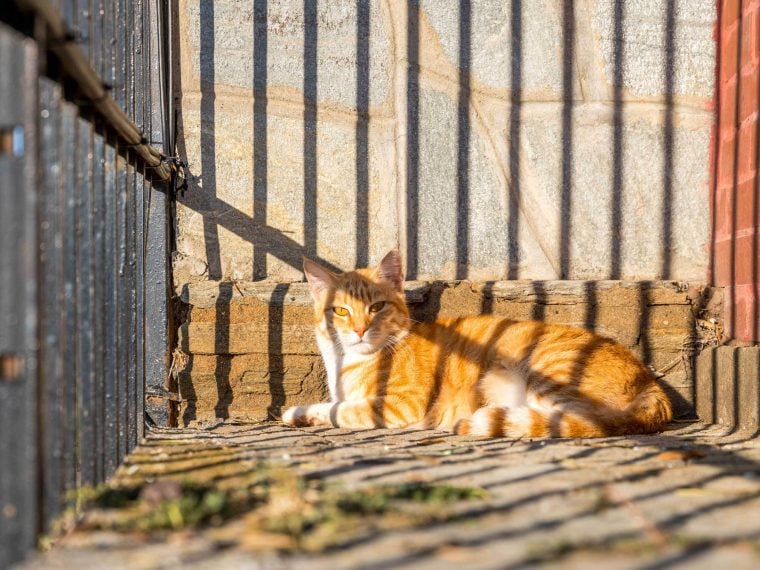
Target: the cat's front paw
(295, 417)
(303, 416)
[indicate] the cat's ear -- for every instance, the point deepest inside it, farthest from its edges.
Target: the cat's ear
(391, 270)
(319, 278)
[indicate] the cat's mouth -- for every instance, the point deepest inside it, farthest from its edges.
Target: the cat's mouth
(362, 346)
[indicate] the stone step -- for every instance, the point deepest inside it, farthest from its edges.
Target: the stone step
(250, 346)
(727, 388)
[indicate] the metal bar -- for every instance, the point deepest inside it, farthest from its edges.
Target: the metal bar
(128, 324)
(97, 51)
(97, 292)
(122, 300)
(98, 302)
(131, 222)
(97, 57)
(85, 309)
(82, 28)
(67, 299)
(157, 230)
(90, 86)
(141, 104)
(51, 261)
(18, 364)
(68, 13)
(120, 58)
(110, 312)
(110, 436)
(118, 37)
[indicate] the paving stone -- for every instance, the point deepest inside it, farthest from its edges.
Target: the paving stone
(679, 499)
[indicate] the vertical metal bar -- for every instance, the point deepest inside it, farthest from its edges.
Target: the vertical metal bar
(18, 366)
(141, 96)
(118, 29)
(137, 68)
(100, 43)
(131, 221)
(121, 29)
(110, 312)
(129, 284)
(84, 20)
(96, 258)
(98, 302)
(67, 299)
(145, 209)
(97, 14)
(84, 301)
(122, 304)
(110, 247)
(156, 232)
(128, 63)
(68, 13)
(50, 271)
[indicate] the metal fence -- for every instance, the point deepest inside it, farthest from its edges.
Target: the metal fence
(84, 128)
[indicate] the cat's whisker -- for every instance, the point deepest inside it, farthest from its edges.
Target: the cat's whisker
(398, 347)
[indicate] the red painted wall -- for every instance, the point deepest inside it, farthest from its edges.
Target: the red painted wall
(736, 201)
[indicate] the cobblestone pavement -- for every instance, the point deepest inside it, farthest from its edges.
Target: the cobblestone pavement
(688, 498)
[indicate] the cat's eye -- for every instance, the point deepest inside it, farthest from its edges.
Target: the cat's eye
(377, 307)
(340, 311)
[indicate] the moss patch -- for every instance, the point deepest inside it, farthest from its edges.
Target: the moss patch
(303, 514)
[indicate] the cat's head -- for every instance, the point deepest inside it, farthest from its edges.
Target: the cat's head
(361, 311)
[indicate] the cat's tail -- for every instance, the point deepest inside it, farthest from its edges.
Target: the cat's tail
(651, 409)
(648, 413)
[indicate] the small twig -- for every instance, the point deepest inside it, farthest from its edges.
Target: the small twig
(648, 526)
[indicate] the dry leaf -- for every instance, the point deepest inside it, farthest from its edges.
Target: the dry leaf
(430, 441)
(679, 455)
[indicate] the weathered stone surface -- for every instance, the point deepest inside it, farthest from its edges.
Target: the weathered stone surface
(247, 338)
(220, 44)
(646, 41)
(500, 44)
(681, 499)
(505, 116)
(727, 390)
(461, 198)
(249, 386)
(636, 241)
(215, 218)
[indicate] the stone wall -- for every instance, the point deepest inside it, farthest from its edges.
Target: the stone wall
(251, 346)
(492, 140)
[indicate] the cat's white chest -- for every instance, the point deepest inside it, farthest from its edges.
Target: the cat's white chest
(335, 360)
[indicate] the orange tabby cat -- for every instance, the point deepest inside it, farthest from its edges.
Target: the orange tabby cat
(485, 375)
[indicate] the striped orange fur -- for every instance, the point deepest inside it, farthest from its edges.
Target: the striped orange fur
(484, 375)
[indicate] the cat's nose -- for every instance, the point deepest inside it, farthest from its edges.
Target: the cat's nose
(360, 331)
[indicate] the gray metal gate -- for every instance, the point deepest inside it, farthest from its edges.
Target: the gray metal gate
(85, 189)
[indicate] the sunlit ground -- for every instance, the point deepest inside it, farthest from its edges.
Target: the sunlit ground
(234, 494)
